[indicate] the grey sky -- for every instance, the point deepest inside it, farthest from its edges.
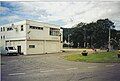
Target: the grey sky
(65, 14)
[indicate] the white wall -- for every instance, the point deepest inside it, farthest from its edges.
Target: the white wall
(41, 34)
(52, 46)
(43, 47)
(21, 43)
(13, 35)
(39, 47)
(16, 33)
(2, 45)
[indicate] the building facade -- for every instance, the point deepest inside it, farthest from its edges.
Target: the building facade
(31, 37)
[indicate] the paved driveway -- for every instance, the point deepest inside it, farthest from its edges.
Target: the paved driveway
(52, 67)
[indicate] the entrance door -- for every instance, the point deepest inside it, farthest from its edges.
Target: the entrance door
(19, 49)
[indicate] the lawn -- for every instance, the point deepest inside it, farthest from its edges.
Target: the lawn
(103, 57)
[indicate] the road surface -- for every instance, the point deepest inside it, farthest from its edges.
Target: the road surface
(52, 67)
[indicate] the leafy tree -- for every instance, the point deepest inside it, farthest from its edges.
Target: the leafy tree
(94, 34)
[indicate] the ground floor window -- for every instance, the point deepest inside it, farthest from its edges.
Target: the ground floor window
(31, 46)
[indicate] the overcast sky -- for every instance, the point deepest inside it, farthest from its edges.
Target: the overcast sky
(65, 14)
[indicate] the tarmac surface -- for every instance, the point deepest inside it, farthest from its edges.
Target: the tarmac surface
(52, 67)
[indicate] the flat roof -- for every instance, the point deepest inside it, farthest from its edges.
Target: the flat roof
(25, 21)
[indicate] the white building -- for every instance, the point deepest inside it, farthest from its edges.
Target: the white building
(31, 37)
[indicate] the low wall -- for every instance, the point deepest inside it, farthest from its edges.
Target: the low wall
(80, 50)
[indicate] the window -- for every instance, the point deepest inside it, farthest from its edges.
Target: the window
(21, 27)
(3, 28)
(6, 48)
(54, 31)
(9, 29)
(31, 46)
(34, 27)
(1, 37)
(11, 48)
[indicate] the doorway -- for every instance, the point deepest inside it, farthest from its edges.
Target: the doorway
(19, 49)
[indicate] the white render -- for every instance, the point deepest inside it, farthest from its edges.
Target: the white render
(41, 39)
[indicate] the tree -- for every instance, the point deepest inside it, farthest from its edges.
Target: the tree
(94, 34)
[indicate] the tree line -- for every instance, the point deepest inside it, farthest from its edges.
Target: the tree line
(94, 34)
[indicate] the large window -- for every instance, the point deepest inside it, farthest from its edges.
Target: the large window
(31, 46)
(54, 31)
(34, 27)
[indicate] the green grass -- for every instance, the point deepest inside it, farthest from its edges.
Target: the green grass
(104, 57)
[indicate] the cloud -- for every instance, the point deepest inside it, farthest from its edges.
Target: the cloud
(3, 9)
(9, 19)
(67, 13)
(97, 11)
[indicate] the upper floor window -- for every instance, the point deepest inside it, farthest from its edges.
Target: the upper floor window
(9, 29)
(1, 37)
(34, 27)
(1, 28)
(21, 27)
(54, 31)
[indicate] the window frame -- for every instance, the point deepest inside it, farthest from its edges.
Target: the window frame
(54, 32)
(1, 29)
(22, 29)
(1, 37)
(9, 29)
(31, 46)
(6, 48)
(36, 27)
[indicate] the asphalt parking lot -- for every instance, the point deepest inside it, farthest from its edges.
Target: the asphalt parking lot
(52, 67)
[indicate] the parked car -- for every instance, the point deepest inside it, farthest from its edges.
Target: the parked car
(10, 50)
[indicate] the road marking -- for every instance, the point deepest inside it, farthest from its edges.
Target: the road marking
(47, 71)
(109, 65)
(60, 66)
(45, 62)
(71, 68)
(16, 74)
(92, 67)
(37, 69)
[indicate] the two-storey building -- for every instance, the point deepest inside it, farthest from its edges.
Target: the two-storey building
(31, 37)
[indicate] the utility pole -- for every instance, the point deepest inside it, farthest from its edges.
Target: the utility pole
(109, 46)
(69, 40)
(84, 38)
(119, 43)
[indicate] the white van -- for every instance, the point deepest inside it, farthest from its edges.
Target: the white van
(10, 50)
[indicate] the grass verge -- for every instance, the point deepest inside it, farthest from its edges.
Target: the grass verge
(103, 57)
